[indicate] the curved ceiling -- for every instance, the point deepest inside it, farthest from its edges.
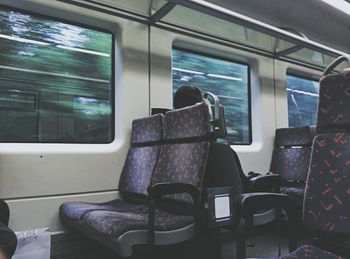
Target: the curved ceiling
(316, 19)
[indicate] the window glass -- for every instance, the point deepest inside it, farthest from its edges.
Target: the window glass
(226, 79)
(55, 81)
(302, 101)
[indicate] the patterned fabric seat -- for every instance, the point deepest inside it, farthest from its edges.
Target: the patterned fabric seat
(333, 108)
(115, 224)
(290, 159)
(327, 192)
(77, 210)
(327, 202)
(136, 175)
(182, 158)
(310, 252)
(326, 206)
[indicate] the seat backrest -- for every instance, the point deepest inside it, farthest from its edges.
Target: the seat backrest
(327, 195)
(217, 115)
(183, 158)
(291, 154)
(333, 107)
(141, 159)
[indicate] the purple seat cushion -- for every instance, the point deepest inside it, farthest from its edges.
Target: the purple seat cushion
(114, 223)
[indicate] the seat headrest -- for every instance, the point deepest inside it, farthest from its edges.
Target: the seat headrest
(298, 136)
(333, 113)
(217, 115)
(147, 130)
(186, 123)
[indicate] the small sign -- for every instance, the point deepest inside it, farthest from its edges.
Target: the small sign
(222, 207)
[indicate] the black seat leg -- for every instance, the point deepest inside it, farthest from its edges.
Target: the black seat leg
(241, 238)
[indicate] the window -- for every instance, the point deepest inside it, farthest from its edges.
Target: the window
(226, 79)
(56, 81)
(302, 101)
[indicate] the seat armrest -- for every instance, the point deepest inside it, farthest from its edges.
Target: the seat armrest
(252, 174)
(265, 183)
(250, 203)
(159, 190)
(246, 205)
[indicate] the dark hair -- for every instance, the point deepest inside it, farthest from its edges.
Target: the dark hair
(186, 96)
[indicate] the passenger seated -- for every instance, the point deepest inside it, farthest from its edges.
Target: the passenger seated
(186, 96)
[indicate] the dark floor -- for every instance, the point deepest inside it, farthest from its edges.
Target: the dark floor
(263, 242)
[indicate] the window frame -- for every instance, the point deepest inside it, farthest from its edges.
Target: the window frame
(113, 62)
(207, 54)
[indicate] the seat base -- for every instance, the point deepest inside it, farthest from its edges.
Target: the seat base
(124, 244)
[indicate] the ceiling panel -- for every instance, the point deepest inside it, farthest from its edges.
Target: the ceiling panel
(314, 18)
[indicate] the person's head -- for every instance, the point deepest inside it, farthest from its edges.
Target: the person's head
(186, 96)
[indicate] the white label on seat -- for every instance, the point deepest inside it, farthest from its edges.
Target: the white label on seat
(222, 207)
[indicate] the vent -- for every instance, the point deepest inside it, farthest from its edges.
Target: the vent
(76, 246)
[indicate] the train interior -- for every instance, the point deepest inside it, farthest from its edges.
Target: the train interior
(174, 129)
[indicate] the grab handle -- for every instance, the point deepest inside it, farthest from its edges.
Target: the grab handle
(335, 63)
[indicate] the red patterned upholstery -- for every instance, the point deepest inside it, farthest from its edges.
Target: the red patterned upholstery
(291, 154)
(137, 171)
(291, 163)
(76, 210)
(147, 130)
(297, 136)
(291, 158)
(327, 197)
(334, 103)
(310, 252)
(115, 224)
(189, 122)
(183, 159)
(182, 163)
(186, 162)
